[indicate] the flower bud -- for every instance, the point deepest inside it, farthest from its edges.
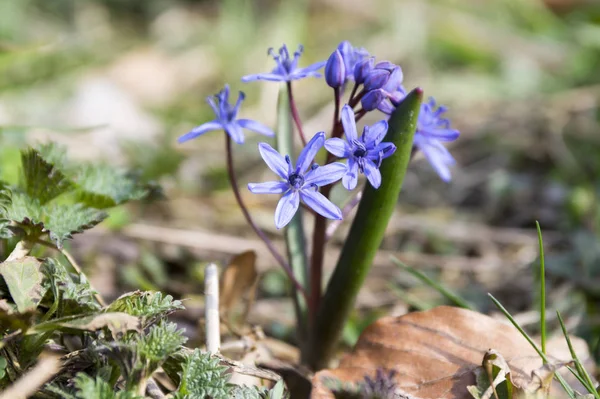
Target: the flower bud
(335, 70)
(384, 75)
(372, 99)
(362, 69)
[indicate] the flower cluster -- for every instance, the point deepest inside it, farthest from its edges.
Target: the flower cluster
(376, 86)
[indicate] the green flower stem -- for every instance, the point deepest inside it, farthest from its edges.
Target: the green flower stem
(294, 233)
(366, 234)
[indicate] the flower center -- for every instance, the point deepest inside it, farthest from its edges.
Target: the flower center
(296, 180)
(359, 149)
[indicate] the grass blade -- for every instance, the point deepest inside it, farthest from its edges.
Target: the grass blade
(449, 295)
(560, 379)
(542, 289)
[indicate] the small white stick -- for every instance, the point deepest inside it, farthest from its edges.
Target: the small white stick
(211, 293)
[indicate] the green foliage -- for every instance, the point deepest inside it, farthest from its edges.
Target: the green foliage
(23, 278)
(66, 293)
(163, 340)
(102, 186)
(96, 388)
(41, 179)
(202, 376)
(62, 221)
(148, 305)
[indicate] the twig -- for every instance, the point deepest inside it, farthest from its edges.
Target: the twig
(31, 381)
(211, 292)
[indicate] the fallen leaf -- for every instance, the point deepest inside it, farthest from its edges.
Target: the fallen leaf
(435, 354)
(24, 280)
(118, 323)
(238, 282)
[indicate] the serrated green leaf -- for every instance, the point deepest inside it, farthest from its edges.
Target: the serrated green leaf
(96, 388)
(203, 376)
(148, 305)
(70, 293)
(62, 221)
(161, 341)
(41, 179)
(24, 209)
(248, 392)
(102, 186)
(24, 280)
(55, 154)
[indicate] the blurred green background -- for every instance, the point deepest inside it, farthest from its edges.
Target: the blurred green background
(120, 80)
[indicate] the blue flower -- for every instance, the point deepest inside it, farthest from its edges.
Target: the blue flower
(365, 153)
(299, 183)
(381, 82)
(226, 119)
(432, 130)
(351, 56)
(287, 68)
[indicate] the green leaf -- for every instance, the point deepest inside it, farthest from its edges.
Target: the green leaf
(41, 179)
(203, 376)
(62, 221)
(96, 388)
(24, 209)
(69, 293)
(24, 280)
(148, 305)
(102, 186)
(162, 341)
(366, 234)
(248, 392)
(117, 323)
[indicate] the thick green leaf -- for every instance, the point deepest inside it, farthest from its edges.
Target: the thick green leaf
(366, 234)
(41, 179)
(62, 221)
(102, 186)
(24, 280)
(203, 376)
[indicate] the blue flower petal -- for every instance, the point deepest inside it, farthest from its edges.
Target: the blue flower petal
(235, 132)
(338, 147)
(271, 77)
(350, 179)
(349, 123)
(439, 134)
(274, 160)
(313, 68)
(382, 151)
(255, 127)
(372, 173)
(437, 155)
(270, 187)
(197, 131)
(286, 208)
(320, 204)
(375, 133)
(309, 152)
(325, 175)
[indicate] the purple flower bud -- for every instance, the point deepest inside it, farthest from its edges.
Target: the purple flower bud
(372, 99)
(335, 70)
(384, 75)
(351, 56)
(362, 69)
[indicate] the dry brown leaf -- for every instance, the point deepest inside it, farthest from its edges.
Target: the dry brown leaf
(238, 282)
(435, 353)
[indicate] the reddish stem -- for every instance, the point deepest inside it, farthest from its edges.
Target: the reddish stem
(295, 114)
(257, 230)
